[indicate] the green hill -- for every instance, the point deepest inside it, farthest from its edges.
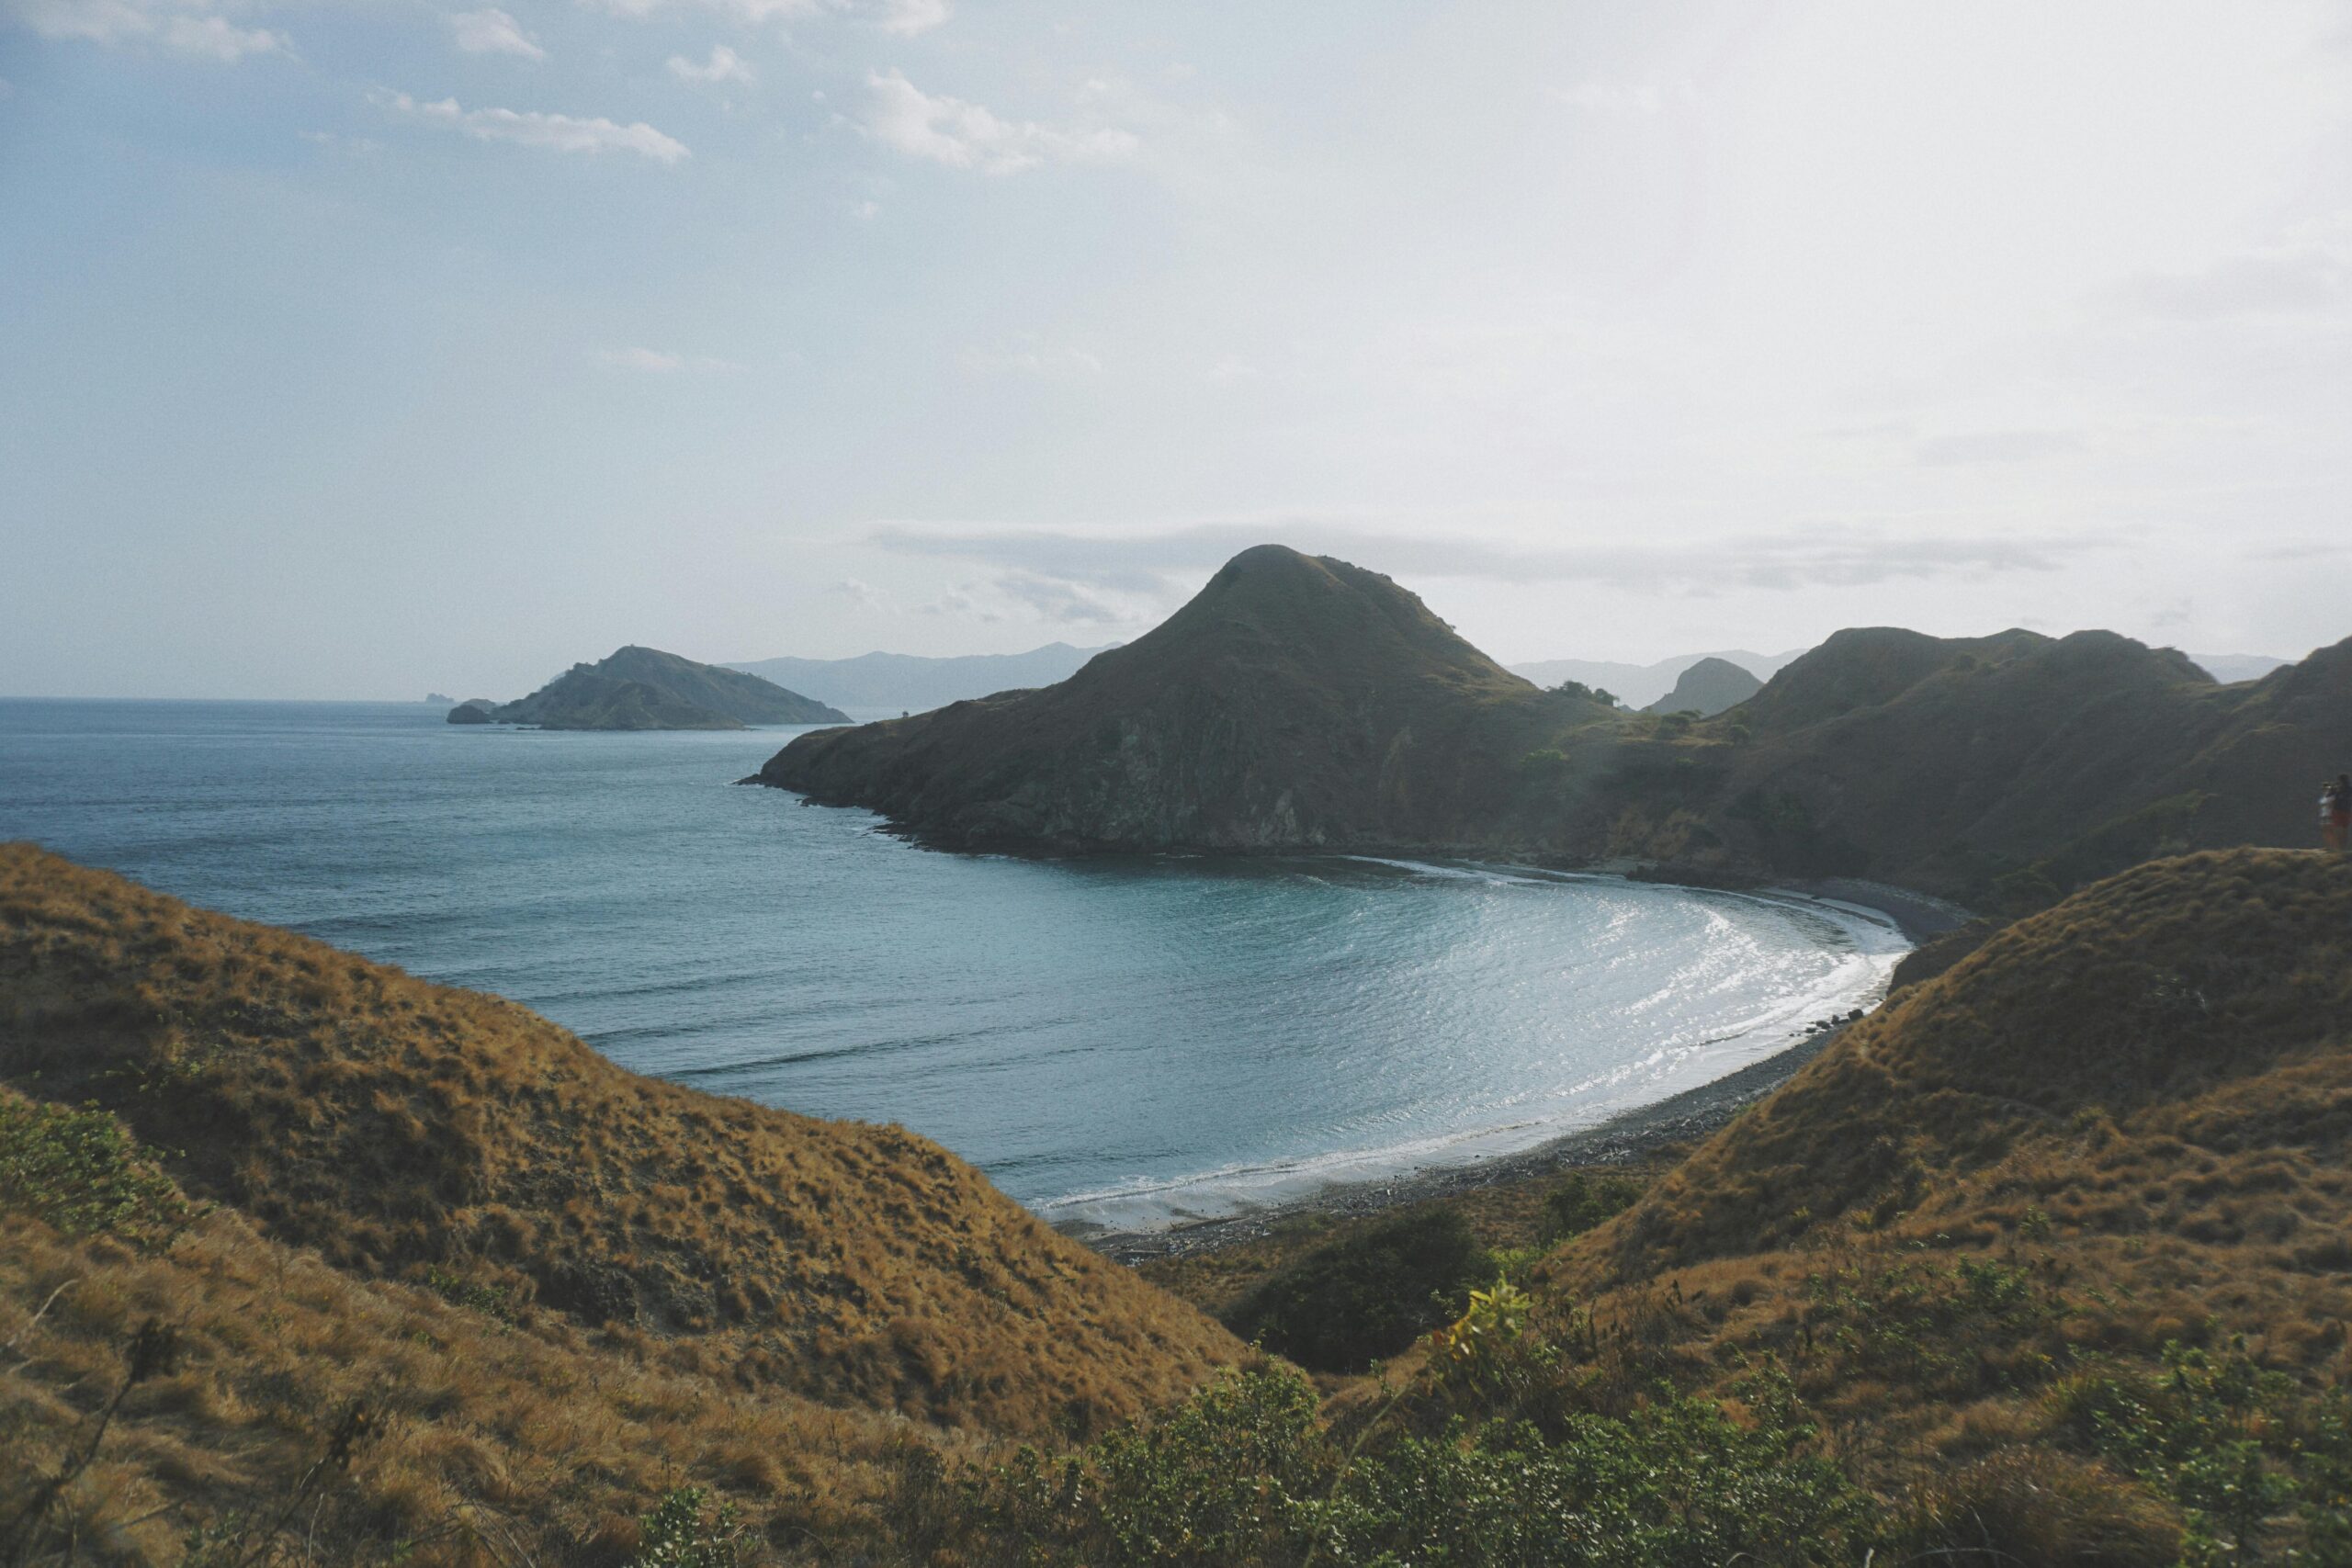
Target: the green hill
(401, 1128)
(1707, 688)
(1306, 703)
(1295, 702)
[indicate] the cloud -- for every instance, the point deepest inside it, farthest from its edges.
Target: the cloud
(185, 28)
(493, 32)
(1994, 446)
(2274, 283)
(556, 133)
(1050, 364)
(1056, 598)
(907, 18)
(1621, 97)
(903, 19)
(725, 65)
(1143, 562)
(660, 362)
(964, 135)
(859, 592)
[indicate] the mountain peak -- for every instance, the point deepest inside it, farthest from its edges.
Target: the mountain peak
(1296, 701)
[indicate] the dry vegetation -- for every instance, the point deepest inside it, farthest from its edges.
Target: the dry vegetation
(548, 1291)
(402, 1128)
(302, 1415)
(2120, 1126)
(2048, 1262)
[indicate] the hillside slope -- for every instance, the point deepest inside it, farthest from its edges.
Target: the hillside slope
(1294, 703)
(1954, 763)
(2151, 1038)
(402, 1128)
(643, 688)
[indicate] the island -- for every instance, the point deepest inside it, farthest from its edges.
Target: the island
(644, 688)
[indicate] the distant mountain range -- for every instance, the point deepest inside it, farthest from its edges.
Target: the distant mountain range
(1640, 685)
(913, 683)
(644, 688)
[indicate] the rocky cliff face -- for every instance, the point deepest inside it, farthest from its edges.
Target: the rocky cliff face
(1296, 703)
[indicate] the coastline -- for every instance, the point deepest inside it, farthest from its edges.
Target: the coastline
(1629, 1137)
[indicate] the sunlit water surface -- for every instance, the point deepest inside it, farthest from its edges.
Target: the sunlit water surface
(1117, 1042)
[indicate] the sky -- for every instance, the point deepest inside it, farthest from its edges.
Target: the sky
(355, 348)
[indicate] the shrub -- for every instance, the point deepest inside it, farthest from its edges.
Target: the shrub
(2030, 1504)
(1226, 1478)
(79, 1171)
(1675, 1482)
(1343, 1305)
(1583, 1201)
(679, 1534)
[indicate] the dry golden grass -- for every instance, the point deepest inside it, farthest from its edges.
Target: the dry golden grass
(2121, 1123)
(477, 1443)
(400, 1129)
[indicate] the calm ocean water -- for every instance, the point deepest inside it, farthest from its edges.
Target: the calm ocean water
(1117, 1042)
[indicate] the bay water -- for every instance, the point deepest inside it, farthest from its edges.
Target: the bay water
(1118, 1042)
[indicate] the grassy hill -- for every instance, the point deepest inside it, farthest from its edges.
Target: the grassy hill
(408, 1131)
(644, 688)
(1295, 702)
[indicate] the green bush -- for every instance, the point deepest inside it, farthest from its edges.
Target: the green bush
(2241, 1449)
(1584, 1200)
(1675, 1482)
(1243, 1475)
(679, 1534)
(79, 1170)
(1343, 1306)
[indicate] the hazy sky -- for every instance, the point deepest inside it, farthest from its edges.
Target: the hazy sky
(350, 347)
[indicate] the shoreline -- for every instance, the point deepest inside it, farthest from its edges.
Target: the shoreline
(1629, 1137)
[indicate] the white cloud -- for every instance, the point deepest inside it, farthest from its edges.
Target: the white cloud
(660, 362)
(2274, 283)
(1034, 359)
(725, 65)
(187, 28)
(557, 132)
(903, 18)
(907, 18)
(1137, 562)
(1976, 447)
(964, 135)
(493, 32)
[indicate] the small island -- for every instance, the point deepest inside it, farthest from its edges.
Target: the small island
(644, 688)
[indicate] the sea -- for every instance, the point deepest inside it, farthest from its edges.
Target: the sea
(1120, 1043)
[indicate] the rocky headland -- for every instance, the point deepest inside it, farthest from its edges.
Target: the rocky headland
(1303, 703)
